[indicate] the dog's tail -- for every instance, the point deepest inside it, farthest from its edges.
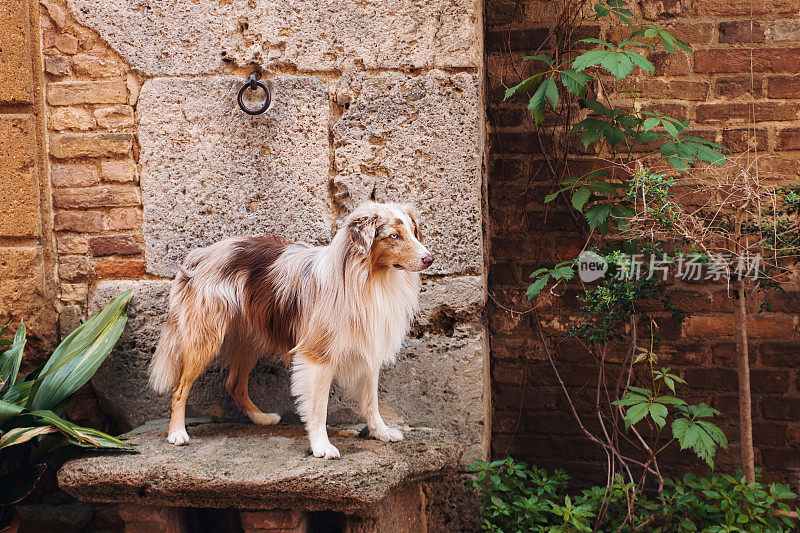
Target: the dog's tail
(165, 366)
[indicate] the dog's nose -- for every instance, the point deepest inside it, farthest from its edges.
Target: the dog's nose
(427, 260)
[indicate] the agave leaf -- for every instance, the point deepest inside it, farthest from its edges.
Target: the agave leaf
(8, 411)
(81, 436)
(11, 359)
(20, 435)
(77, 358)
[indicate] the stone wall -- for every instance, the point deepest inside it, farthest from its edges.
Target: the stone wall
(27, 284)
(740, 89)
(150, 157)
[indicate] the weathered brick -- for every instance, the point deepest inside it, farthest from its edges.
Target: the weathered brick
(96, 66)
(74, 292)
(70, 118)
(741, 140)
(124, 218)
(118, 170)
(742, 60)
(736, 86)
(56, 14)
(786, 30)
(73, 175)
(775, 327)
(73, 145)
(773, 408)
(119, 268)
(743, 112)
(72, 244)
(780, 354)
(783, 87)
(57, 65)
(665, 64)
(73, 267)
(65, 43)
(117, 117)
(729, 8)
(87, 92)
(103, 196)
(788, 139)
(114, 245)
(80, 221)
(741, 31)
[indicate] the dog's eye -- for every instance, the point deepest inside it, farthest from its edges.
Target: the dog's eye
(394, 236)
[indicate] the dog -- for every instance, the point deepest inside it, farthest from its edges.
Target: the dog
(336, 312)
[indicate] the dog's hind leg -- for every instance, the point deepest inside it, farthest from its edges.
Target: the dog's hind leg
(201, 345)
(243, 357)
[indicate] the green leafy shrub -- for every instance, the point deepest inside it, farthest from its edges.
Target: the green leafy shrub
(517, 497)
(33, 434)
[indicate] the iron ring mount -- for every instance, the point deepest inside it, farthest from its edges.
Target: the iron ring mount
(254, 84)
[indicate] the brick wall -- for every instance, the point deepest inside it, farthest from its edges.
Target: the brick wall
(742, 89)
(90, 97)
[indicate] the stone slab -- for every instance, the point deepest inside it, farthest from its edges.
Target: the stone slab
(16, 67)
(20, 216)
(178, 38)
(210, 171)
(258, 467)
(438, 380)
(416, 139)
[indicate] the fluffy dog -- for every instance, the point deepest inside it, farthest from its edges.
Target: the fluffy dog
(337, 312)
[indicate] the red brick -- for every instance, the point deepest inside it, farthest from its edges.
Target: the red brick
(665, 64)
(119, 268)
(742, 112)
(740, 60)
(124, 218)
(780, 354)
(741, 140)
(741, 31)
(773, 408)
(729, 8)
(114, 245)
(105, 196)
(735, 86)
(788, 139)
(783, 87)
(81, 221)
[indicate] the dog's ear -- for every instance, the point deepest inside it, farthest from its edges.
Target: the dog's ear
(414, 216)
(361, 232)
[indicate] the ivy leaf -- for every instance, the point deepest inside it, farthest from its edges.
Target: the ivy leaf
(575, 82)
(580, 197)
(536, 287)
(658, 412)
(588, 59)
(550, 197)
(539, 57)
(671, 129)
(635, 413)
(524, 86)
(597, 215)
(551, 92)
(640, 61)
(650, 123)
(617, 64)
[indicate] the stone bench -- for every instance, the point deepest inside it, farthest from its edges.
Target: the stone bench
(268, 476)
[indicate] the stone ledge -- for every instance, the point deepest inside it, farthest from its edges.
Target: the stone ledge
(242, 466)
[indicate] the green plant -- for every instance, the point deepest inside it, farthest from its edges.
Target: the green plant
(33, 433)
(516, 497)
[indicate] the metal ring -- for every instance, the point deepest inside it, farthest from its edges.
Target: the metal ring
(253, 84)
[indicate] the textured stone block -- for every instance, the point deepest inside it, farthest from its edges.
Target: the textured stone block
(438, 380)
(416, 139)
(18, 177)
(193, 38)
(73, 175)
(70, 118)
(16, 68)
(211, 171)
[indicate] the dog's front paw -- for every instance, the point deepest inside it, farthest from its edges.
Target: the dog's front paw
(388, 434)
(326, 450)
(179, 438)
